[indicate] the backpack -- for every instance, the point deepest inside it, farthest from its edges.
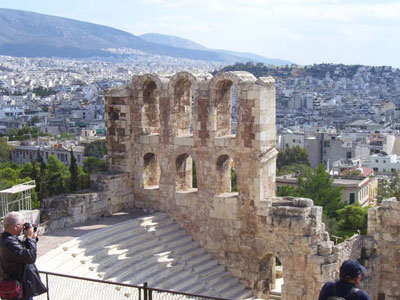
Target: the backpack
(352, 291)
(10, 289)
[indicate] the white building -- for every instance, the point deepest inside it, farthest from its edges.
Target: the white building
(383, 164)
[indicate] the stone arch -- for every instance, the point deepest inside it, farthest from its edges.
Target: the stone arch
(270, 275)
(183, 87)
(151, 91)
(184, 172)
(225, 173)
(227, 88)
(151, 171)
(224, 91)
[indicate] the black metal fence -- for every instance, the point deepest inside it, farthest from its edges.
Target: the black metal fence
(67, 287)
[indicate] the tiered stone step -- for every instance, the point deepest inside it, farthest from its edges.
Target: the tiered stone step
(274, 295)
(151, 249)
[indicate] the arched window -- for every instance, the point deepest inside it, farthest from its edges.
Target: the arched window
(227, 181)
(151, 171)
(151, 114)
(184, 173)
(182, 109)
(226, 104)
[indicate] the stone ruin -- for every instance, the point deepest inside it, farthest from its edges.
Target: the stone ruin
(161, 127)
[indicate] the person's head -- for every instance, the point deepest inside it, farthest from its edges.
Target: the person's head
(351, 271)
(13, 223)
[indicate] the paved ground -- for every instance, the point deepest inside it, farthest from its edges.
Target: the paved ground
(57, 237)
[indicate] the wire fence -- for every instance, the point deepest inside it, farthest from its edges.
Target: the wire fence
(67, 287)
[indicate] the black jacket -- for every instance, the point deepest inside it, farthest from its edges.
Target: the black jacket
(17, 261)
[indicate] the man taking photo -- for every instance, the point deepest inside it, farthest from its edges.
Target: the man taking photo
(17, 258)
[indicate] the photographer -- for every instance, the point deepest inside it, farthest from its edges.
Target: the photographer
(17, 258)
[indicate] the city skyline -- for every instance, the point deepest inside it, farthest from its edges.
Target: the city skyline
(304, 32)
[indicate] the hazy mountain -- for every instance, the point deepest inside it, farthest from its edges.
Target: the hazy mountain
(31, 34)
(174, 41)
(171, 40)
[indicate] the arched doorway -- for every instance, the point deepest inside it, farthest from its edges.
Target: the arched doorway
(270, 276)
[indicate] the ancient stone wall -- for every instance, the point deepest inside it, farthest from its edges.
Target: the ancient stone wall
(178, 140)
(110, 194)
(383, 250)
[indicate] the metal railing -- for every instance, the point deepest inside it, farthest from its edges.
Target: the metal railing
(67, 287)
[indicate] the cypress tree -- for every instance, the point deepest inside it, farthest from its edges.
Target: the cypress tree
(73, 169)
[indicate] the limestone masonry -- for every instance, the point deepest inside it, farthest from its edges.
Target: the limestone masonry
(160, 127)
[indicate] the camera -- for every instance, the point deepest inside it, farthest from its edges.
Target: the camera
(29, 225)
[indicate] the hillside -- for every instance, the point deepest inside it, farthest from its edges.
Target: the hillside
(174, 41)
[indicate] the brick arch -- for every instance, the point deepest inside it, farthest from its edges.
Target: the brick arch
(150, 89)
(222, 87)
(183, 91)
(151, 170)
(224, 165)
(184, 172)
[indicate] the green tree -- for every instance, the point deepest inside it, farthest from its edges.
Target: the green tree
(96, 148)
(234, 187)
(43, 190)
(73, 169)
(5, 150)
(93, 164)
(298, 169)
(286, 190)
(319, 187)
(66, 135)
(292, 155)
(25, 170)
(57, 176)
(8, 177)
(351, 219)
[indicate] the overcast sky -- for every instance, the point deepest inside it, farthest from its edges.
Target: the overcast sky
(302, 31)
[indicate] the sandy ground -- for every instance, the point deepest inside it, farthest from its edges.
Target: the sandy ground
(57, 237)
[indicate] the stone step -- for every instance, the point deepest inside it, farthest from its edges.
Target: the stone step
(184, 283)
(175, 273)
(152, 249)
(134, 260)
(274, 295)
(223, 286)
(211, 271)
(232, 289)
(214, 278)
(241, 294)
(189, 254)
(205, 264)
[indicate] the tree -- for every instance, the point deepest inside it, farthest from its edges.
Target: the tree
(319, 187)
(93, 164)
(73, 169)
(286, 190)
(298, 169)
(66, 135)
(292, 155)
(5, 150)
(96, 148)
(351, 219)
(57, 176)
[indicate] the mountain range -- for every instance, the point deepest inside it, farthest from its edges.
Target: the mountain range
(29, 34)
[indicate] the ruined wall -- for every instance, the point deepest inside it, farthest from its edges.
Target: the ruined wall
(162, 128)
(383, 250)
(110, 194)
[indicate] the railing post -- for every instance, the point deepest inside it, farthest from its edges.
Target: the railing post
(47, 284)
(145, 291)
